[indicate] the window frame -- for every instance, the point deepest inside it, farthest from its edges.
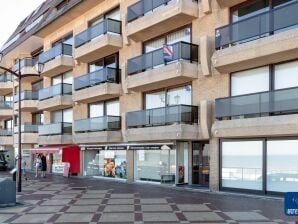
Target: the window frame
(104, 106)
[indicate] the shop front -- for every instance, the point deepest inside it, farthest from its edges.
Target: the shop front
(106, 161)
(57, 156)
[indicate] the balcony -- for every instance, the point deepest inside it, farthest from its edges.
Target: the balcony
(6, 110)
(256, 36)
(150, 18)
(165, 123)
(261, 112)
(29, 134)
(151, 71)
(98, 41)
(6, 84)
(29, 101)
(98, 130)
(56, 133)
(97, 86)
(6, 137)
(229, 3)
(27, 67)
(57, 60)
(55, 97)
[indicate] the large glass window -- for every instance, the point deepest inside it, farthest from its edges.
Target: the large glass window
(65, 115)
(63, 78)
(38, 118)
(250, 81)
(155, 165)
(242, 165)
(155, 100)
(108, 108)
(96, 110)
(286, 75)
(113, 108)
(110, 61)
(282, 165)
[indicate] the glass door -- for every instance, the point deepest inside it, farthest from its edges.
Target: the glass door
(200, 164)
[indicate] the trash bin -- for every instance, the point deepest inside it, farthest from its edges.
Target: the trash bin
(8, 192)
(14, 174)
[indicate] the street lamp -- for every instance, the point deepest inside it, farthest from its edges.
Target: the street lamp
(39, 68)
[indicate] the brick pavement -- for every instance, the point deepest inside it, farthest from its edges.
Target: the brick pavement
(89, 201)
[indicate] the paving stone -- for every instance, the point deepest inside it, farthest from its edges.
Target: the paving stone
(119, 208)
(46, 209)
(56, 202)
(61, 196)
(96, 191)
(33, 218)
(122, 196)
(89, 208)
(156, 208)
(44, 192)
(121, 201)
(13, 210)
(153, 201)
(88, 202)
(93, 196)
(202, 216)
(71, 192)
(193, 207)
(243, 216)
(73, 218)
(4, 217)
(160, 217)
(117, 217)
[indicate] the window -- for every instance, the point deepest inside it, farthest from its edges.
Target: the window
(183, 34)
(242, 163)
(37, 86)
(8, 124)
(114, 14)
(286, 75)
(110, 61)
(63, 78)
(60, 116)
(174, 96)
(65, 40)
(250, 81)
(38, 118)
(108, 108)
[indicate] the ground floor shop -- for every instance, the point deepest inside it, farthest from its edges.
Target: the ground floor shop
(163, 163)
(263, 165)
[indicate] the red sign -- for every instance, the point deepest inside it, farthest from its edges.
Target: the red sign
(181, 175)
(66, 169)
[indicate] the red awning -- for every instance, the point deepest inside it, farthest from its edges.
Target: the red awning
(47, 150)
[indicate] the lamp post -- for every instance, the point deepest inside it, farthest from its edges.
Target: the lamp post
(39, 68)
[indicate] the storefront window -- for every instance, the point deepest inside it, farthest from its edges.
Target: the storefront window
(155, 165)
(106, 163)
(282, 166)
(242, 165)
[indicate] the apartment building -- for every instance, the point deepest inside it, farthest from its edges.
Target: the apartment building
(171, 91)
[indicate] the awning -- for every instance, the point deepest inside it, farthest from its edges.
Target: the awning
(46, 150)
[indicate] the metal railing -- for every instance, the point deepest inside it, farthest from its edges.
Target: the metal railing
(58, 50)
(181, 50)
(25, 62)
(27, 128)
(6, 104)
(26, 95)
(267, 23)
(56, 90)
(104, 27)
(163, 116)
(55, 129)
(5, 132)
(6, 78)
(104, 75)
(277, 101)
(104, 123)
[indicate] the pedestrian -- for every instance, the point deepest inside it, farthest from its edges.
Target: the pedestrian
(24, 164)
(37, 164)
(43, 166)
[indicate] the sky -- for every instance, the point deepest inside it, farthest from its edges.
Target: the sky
(12, 13)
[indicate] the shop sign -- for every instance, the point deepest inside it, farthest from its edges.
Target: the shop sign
(57, 168)
(149, 147)
(117, 147)
(95, 148)
(109, 154)
(291, 203)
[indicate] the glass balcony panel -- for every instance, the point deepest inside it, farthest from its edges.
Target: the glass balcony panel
(56, 90)
(55, 129)
(98, 124)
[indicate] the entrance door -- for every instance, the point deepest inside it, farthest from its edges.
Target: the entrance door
(200, 164)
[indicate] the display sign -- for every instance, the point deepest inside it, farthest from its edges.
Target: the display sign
(109, 167)
(57, 168)
(291, 203)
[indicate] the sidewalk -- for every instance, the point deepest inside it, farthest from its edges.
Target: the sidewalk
(85, 200)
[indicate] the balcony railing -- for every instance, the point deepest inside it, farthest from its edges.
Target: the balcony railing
(6, 78)
(55, 129)
(58, 50)
(26, 62)
(26, 95)
(5, 132)
(181, 50)
(56, 90)
(6, 104)
(105, 123)
(267, 23)
(27, 128)
(104, 27)
(98, 77)
(163, 116)
(278, 102)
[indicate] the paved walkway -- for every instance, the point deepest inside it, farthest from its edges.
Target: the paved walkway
(76, 200)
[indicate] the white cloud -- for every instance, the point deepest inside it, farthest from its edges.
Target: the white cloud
(12, 13)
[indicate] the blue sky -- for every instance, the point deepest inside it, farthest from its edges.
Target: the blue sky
(12, 13)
